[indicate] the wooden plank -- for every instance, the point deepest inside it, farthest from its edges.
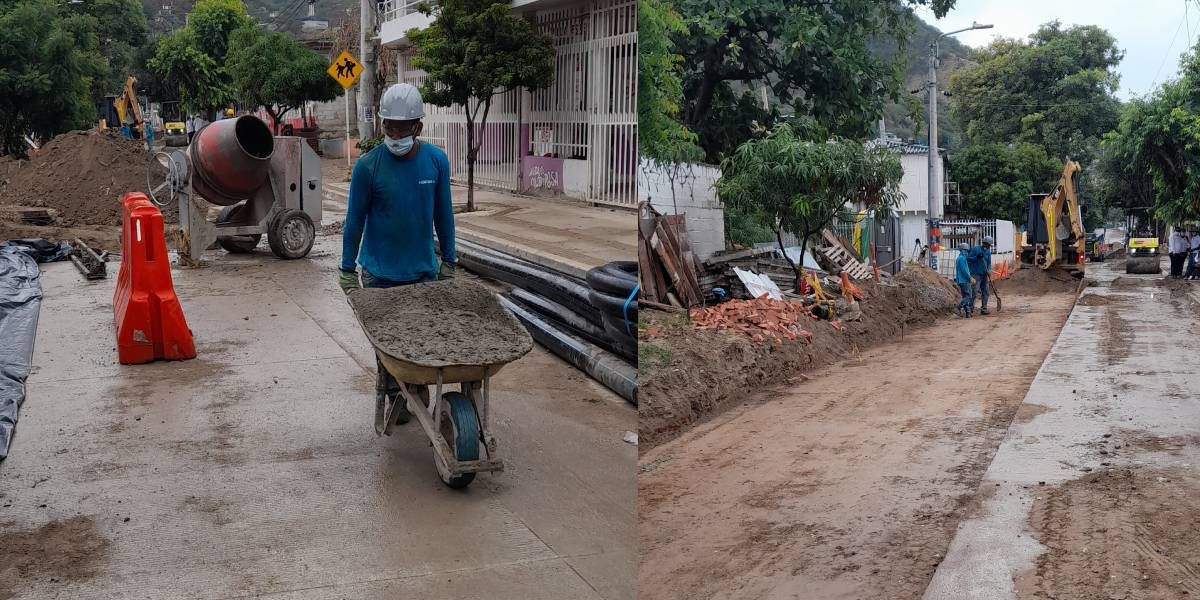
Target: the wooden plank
(646, 268)
(679, 223)
(739, 255)
(663, 250)
(690, 287)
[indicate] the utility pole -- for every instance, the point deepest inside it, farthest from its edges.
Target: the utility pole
(935, 190)
(366, 82)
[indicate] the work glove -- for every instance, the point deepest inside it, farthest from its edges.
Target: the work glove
(447, 270)
(973, 281)
(348, 281)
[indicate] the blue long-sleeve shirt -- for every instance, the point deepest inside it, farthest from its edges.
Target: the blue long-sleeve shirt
(394, 206)
(980, 260)
(962, 272)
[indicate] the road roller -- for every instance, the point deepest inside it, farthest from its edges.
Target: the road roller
(256, 183)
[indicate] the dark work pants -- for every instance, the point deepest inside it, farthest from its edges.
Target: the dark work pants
(1177, 263)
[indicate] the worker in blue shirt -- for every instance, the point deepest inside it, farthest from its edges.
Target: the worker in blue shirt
(966, 283)
(980, 259)
(399, 194)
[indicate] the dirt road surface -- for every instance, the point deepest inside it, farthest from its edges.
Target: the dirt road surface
(254, 470)
(1098, 495)
(849, 485)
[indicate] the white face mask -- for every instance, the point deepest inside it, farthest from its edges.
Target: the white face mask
(398, 147)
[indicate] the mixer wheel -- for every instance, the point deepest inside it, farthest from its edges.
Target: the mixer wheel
(291, 234)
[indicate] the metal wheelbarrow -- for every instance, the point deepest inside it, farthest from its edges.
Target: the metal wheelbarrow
(457, 423)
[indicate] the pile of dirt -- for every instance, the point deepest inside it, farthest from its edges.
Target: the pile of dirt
(687, 374)
(1032, 281)
(82, 175)
(1118, 533)
(455, 322)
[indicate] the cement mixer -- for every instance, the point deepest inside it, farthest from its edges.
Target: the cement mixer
(264, 184)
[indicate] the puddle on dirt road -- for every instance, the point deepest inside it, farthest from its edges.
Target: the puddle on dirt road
(1117, 533)
(57, 553)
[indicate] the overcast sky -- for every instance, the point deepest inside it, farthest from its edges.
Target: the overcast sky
(1153, 33)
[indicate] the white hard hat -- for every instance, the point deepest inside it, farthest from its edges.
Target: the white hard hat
(989, 240)
(401, 102)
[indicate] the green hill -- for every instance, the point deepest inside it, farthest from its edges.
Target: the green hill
(898, 117)
(167, 15)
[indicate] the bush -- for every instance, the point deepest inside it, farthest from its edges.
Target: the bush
(369, 144)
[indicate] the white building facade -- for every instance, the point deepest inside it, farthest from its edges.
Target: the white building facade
(576, 139)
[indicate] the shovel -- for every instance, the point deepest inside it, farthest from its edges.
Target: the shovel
(996, 293)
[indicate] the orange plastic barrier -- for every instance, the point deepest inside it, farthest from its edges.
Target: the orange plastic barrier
(147, 314)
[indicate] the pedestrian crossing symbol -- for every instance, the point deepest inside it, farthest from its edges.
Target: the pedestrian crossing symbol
(345, 69)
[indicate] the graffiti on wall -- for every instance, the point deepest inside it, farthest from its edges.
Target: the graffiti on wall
(541, 174)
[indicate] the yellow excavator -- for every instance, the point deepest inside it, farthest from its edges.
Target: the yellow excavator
(1055, 238)
(128, 109)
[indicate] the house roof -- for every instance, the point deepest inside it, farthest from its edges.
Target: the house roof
(902, 147)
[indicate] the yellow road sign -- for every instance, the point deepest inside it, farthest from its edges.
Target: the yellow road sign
(345, 69)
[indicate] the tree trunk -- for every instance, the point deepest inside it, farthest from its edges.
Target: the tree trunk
(799, 271)
(470, 162)
(713, 58)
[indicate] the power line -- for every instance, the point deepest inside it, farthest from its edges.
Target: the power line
(1169, 47)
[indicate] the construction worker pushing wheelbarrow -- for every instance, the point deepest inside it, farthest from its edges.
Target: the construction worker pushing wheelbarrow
(424, 331)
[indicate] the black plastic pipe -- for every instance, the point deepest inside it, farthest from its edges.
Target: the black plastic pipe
(573, 323)
(600, 365)
(556, 287)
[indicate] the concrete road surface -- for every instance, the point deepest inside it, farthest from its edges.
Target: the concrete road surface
(1094, 493)
(254, 470)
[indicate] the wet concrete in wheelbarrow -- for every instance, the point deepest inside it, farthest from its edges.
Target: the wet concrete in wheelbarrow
(453, 322)
(254, 469)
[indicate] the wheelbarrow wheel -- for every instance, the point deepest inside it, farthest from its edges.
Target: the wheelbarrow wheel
(460, 429)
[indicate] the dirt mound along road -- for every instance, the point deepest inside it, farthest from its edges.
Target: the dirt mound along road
(849, 485)
(82, 175)
(1033, 281)
(441, 323)
(687, 374)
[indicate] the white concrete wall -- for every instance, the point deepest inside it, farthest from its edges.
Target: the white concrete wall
(696, 197)
(575, 178)
(915, 184)
(331, 116)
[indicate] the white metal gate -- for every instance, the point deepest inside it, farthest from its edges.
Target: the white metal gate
(590, 111)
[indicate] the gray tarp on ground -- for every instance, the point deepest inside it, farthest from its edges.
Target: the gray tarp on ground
(20, 302)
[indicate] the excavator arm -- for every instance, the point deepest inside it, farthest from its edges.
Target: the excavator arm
(1065, 230)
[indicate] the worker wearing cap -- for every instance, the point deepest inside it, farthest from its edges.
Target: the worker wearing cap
(966, 283)
(399, 194)
(980, 260)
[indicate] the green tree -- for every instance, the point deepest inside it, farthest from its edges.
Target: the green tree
(1161, 134)
(48, 61)
(195, 76)
(1054, 90)
(123, 26)
(996, 180)
(474, 50)
(794, 180)
(661, 137)
(276, 72)
(212, 22)
(814, 55)
(191, 60)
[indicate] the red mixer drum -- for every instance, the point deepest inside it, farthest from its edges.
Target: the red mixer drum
(231, 159)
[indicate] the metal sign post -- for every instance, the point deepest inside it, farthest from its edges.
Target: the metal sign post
(345, 69)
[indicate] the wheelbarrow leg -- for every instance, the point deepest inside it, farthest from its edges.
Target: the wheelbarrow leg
(389, 403)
